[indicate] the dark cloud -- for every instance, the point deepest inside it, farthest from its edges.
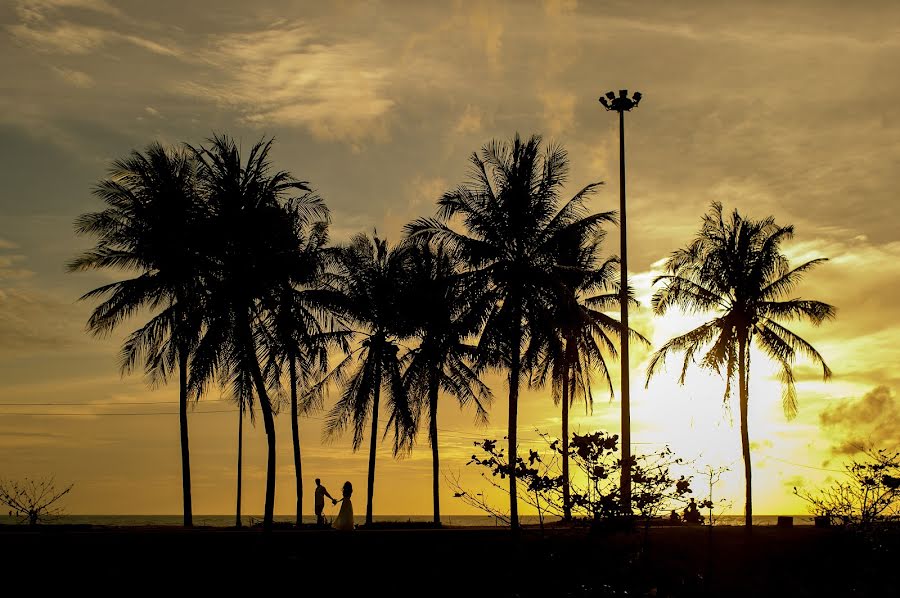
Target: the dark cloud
(872, 420)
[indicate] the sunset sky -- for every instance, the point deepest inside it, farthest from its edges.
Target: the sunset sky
(790, 109)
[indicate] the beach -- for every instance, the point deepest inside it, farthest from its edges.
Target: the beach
(457, 561)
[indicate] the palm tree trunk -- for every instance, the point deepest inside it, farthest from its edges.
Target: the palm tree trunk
(514, 371)
(240, 468)
(567, 507)
(185, 449)
(268, 423)
(373, 444)
(295, 435)
(743, 375)
(433, 433)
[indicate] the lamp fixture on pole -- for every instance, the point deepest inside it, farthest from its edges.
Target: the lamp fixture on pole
(622, 104)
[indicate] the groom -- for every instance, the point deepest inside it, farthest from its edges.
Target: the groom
(321, 493)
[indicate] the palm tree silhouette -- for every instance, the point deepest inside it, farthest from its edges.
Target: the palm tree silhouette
(575, 340)
(150, 227)
(735, 268)
(515, 229)
(447, 312)
(299, 323)
(252, 237)
(372, 278)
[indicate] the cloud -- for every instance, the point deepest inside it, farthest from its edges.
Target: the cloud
(32, 11)
(425, 191)
(559, 111)
(486, 24)
(71, 38)
(470, 121)
(555, 8)
(288, 75)
(65, 38)
(76, 78)
(872, 420)
(31, 321)
(43, 28)
(9, 270)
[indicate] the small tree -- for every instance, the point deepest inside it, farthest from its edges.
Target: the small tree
(595, 490)
(33, 500)
(869, 496)
(712, 476)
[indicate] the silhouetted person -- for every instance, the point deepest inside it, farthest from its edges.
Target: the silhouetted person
(321, 493)
(674, 518)
(344, 520)
(692, 514)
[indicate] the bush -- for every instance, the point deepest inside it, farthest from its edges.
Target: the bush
(32, 501)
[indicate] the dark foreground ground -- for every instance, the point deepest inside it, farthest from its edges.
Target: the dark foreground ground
(669, 561)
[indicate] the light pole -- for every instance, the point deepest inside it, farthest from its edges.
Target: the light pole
(623, 104)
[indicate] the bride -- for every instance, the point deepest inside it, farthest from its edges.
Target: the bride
(344, 520)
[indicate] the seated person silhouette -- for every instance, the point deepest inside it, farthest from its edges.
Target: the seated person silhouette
(692, 514)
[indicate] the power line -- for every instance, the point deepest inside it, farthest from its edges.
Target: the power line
(459, 434)
(768, 456)
(48, 414)
(107, 404)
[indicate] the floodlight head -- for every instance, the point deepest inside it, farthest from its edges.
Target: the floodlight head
(637, 98)
(604, 102)
(623, 93)
(611, 95)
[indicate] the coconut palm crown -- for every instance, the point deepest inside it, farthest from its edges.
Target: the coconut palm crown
(735, 269)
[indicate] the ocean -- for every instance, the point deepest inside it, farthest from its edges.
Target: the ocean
(248, 520)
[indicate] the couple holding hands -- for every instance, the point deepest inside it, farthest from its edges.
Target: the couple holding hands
(344, 519)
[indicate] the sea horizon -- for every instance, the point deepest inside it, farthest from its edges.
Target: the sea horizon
(447, 519)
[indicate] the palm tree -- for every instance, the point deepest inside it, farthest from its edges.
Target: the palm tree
(253, 239)
(578, 336)
(372, 278)
(446, 312)
(735, 269)
(150, 227)
(515, 229)
(298, 321)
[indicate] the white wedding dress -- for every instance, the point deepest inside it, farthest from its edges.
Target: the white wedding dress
(344, 519)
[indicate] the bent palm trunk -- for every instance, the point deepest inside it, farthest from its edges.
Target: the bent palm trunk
(515, 366)
(435, 463)
(373, 445)
(185, 449)
(237, 516)
(295, 435)
(268, 423)
(567, 505)
(745, 435)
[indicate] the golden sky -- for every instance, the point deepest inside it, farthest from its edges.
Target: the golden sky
(790, 109)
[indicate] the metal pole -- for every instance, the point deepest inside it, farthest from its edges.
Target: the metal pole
(623, 300)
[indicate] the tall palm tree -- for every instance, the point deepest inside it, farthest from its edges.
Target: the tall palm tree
(447, 313)
(299, 322)
(577, 338)
(515, 226)
(735, 269)
(372, 278)
(252, 241)
(150, 227)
